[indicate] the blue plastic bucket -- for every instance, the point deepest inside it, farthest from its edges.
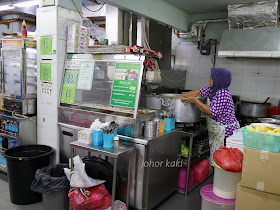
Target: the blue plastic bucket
(108, 139)
(97, 138)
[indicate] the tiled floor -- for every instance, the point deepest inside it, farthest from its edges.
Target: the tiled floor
(175, 201)
(5, 203)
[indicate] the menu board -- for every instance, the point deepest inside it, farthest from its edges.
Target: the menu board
(69, 86)
(125, 84)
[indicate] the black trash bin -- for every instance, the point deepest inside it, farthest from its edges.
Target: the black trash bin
(52, 182)
(98, 168)
(22, 164)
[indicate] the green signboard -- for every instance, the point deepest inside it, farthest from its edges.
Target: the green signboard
(69, 86)
(125, 84)
(46, 45)
(45, 72)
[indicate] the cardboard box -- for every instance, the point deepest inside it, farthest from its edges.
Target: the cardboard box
(261, 170)
(75, 29)
(249, 199)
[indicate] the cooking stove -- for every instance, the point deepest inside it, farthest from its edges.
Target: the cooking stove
(243, 121)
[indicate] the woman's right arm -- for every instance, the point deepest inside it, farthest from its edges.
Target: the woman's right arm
(193, 93)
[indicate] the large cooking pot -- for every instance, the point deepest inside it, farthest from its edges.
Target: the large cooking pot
(184, 114)
(254, 110)
(153, 101)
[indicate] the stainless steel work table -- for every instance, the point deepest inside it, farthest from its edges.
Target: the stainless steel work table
(109, 152)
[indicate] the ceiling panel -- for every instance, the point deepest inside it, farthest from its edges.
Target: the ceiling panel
(205, 6)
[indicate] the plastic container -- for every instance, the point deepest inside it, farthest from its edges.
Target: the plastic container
(116, 141)
(225, 183)
(275, 110)
(259, 140)
(211, 202)
(108, 140)
(22, 164)
(182, 178)
(97, 138)
(169, 124)
(161, 126)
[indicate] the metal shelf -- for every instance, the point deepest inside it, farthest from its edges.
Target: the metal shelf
(7, 134)
(198, 157)
(3, 170)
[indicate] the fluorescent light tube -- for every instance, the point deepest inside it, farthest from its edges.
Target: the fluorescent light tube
(26, 4)
(6, 7)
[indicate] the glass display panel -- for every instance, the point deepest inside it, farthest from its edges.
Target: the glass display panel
(102, 84)
(12, 73)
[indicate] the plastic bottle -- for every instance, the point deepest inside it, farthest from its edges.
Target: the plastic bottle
(13, 128)
(23, 30)
(7, 127)
(16, 129)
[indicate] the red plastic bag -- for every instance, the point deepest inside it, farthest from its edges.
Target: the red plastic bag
(201, 170)
(229, 159)
(96, 198)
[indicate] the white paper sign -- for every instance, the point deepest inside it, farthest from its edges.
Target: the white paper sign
(85, 76)
(72, 64)
(48, 2)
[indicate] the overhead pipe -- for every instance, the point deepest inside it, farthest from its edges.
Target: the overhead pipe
(197, 28)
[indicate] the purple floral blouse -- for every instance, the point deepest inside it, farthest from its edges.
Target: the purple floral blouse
(222, 109)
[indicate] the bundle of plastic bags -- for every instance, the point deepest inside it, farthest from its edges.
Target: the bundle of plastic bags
(95, 198)
(229, 159)
(79, 178)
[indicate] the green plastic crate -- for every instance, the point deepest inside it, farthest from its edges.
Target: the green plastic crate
(259, 140)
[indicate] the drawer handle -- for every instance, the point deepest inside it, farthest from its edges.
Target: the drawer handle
(67, 133)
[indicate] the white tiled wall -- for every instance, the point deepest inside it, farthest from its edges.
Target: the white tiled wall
(252, 79)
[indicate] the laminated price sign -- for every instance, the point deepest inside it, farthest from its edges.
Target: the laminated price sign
(69, 86)
(125, 84)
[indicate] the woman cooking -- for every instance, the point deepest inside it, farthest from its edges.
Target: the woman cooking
(221, 120)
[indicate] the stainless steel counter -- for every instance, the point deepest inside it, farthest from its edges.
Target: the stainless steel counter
(152, 177)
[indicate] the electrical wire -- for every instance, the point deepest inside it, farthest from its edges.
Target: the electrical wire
(94, 10)
(78, 9)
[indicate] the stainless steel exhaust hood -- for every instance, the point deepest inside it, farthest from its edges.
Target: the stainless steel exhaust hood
(255, 43)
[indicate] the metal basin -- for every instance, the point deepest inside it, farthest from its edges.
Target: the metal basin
(153, 101)
(254, 110)
(184, 114)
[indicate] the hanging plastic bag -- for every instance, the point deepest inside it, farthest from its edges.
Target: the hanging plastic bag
(95, 31)
(184, 149)
(96, 198)
(229, 159)
(79, 178)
